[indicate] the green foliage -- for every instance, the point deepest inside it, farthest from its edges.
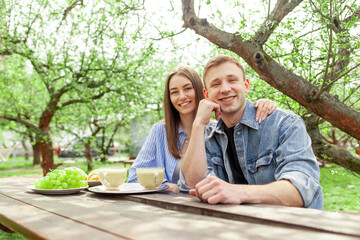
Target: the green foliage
(76, 65)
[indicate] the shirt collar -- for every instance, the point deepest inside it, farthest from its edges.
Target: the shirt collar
(180, 129)
(248, 119)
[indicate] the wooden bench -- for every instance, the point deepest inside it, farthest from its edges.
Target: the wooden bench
(128, 162)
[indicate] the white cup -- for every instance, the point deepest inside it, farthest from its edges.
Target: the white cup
(150, 178)
(112, 178)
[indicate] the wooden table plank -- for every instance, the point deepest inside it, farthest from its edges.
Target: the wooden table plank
(140, 221)
(27, 220)
(297, 218)
(127, 216)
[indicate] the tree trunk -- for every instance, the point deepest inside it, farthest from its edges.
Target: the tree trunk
(88, 155)
(330, 152)
(26, 149)
(37, 153)
(47, 152)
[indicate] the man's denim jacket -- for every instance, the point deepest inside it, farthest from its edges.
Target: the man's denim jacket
(278, 148)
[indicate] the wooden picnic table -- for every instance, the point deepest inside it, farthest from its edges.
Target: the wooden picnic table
(161, 215)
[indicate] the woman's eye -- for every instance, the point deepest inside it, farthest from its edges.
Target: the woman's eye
(174, 92)
(188, 89)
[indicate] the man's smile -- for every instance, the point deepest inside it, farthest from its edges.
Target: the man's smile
(227, 99)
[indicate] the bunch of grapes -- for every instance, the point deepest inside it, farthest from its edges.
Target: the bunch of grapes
(60, 179)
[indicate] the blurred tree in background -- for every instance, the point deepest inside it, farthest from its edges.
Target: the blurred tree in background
(58, 55)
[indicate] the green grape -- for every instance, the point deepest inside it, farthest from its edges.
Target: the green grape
(37, 183)
(58, 183)
(60, 179)
(46, 183)
(83, 184)
(52, 176)
(58, 172)
(53, 182)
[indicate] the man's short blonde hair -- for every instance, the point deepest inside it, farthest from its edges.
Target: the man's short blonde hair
(217, 60)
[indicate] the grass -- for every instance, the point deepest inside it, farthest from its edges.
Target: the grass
(8, 169)
(341, 188)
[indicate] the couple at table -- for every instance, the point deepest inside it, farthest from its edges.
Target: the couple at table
(255, 157)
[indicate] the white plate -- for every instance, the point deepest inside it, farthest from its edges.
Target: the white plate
(93, 183)
(128, 188)
(56, 191)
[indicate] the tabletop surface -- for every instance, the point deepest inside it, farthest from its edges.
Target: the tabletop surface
(162, 215)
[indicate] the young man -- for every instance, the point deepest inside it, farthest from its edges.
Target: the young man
(268, 162)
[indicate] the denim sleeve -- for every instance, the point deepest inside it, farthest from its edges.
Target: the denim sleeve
(297, 162)
(182, 183)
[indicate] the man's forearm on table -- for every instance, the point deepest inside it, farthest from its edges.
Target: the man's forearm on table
(194, 166)
(281, 192)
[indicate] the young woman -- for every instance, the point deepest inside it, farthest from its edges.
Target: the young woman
(168, 140)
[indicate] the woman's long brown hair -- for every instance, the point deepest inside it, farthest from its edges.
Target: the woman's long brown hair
(172, 117)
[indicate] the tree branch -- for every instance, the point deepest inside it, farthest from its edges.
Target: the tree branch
(328, 86)
(355, 14)
(168, 35)
(19, 120)
(83, 100)
(330, 152)
(70, 7)
(281, 10)
(325, 77)
(327, 106)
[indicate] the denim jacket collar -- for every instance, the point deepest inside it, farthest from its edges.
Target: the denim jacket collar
(248, 119)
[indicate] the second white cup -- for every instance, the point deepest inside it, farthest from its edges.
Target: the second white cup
(112, 178)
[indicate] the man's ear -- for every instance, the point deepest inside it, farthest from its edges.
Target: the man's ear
(206, 94)
(247, 85)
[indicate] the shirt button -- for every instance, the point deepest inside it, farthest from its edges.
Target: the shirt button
(238, 133)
